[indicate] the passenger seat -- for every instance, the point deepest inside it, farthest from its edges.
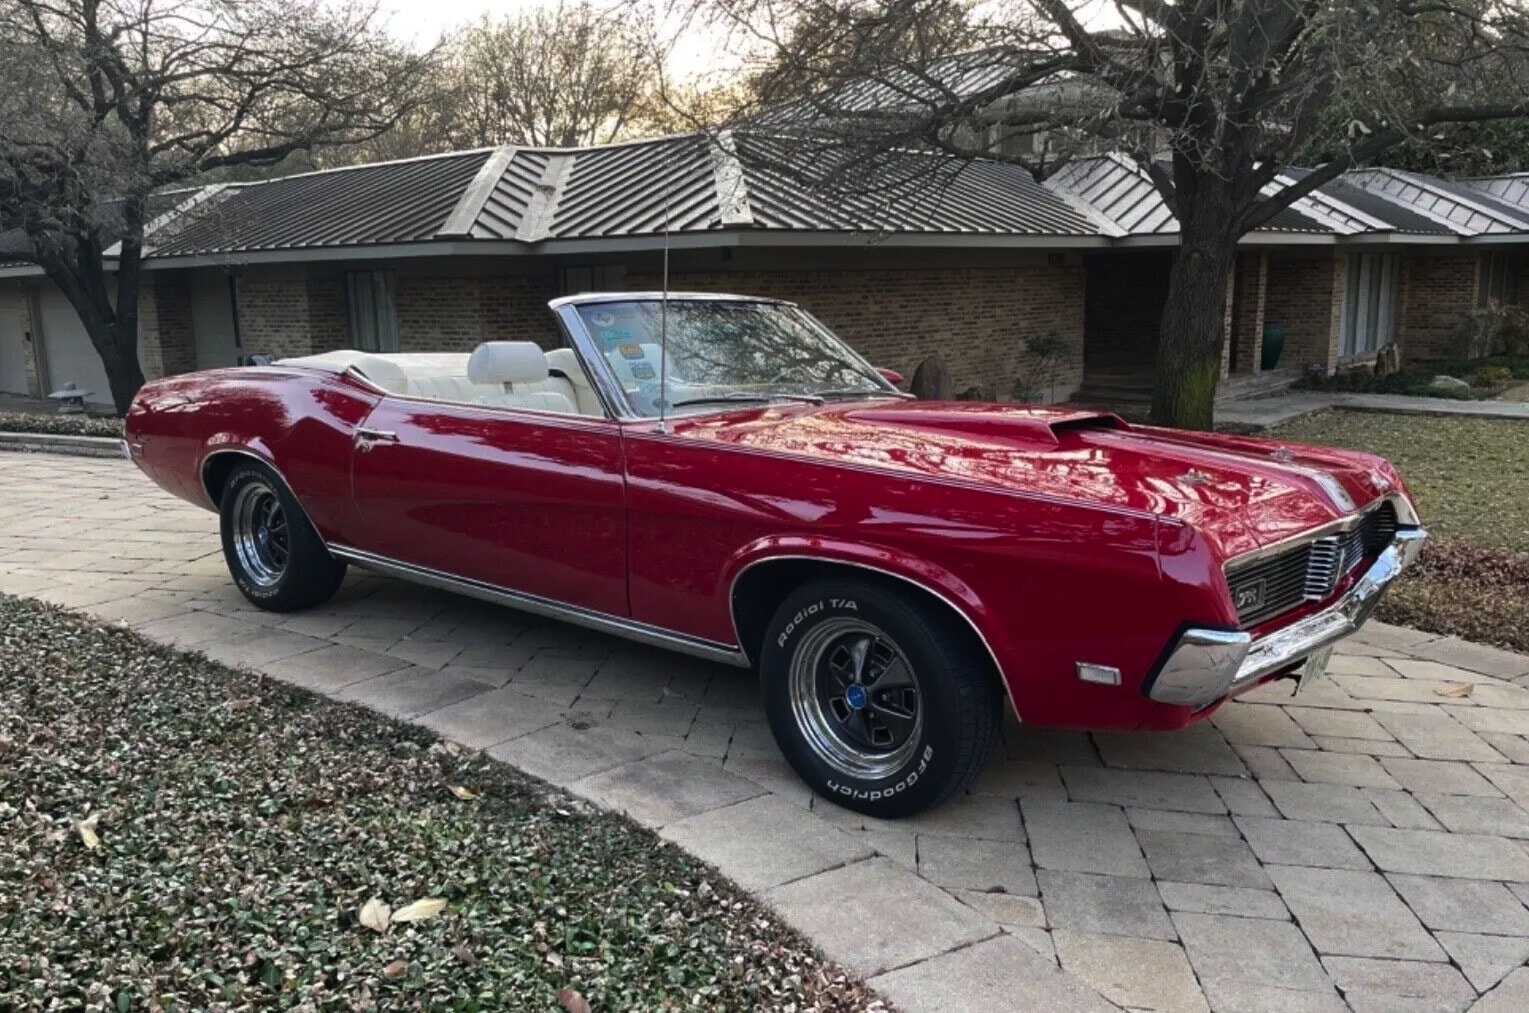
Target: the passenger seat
(519, 369)
(564, 365)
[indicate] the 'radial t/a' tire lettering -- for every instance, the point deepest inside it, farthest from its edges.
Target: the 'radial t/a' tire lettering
(881, 701)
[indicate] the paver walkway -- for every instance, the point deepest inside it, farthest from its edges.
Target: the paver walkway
(1362, 846)
(1265, 412)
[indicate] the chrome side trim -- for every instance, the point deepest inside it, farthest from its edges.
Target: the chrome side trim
(603, 622)
(1205, 665)
(732, 594)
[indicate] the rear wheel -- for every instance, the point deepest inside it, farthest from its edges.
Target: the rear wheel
(882, 702)
(276, 558)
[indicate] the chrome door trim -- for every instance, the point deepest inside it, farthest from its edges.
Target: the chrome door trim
(603, 622)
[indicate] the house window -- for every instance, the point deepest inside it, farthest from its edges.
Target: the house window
(1369, 303)
(373, 311)
(1494, 282)
(597, 278)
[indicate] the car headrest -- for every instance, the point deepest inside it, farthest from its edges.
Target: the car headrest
(500, 362)
(566, 361)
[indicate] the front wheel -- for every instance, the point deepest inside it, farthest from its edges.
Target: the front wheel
(276, 558)
(881, 701)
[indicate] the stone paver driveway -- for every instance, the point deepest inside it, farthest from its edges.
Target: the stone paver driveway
(1362, 846)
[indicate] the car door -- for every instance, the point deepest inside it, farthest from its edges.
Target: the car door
(525, 500)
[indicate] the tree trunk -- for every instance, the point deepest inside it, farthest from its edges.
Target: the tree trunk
(1193, 326)
(119, 354)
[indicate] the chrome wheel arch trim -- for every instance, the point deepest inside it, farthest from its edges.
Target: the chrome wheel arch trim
(732, 597)
(603, 622)
(217, 507)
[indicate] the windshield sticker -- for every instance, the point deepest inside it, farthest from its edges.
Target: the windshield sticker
(631, 351)
(643, 371)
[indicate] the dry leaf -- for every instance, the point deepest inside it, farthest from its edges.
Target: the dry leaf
(465, 794)
(420, 910)
(397, 969)
(572, 1001)
(1454, 690)
(241, 703)
(88, 833)
(374, 915)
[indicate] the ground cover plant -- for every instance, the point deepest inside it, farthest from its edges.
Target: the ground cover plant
(60, 425)
(1488, 378)
(1470, 477)
(180, 836)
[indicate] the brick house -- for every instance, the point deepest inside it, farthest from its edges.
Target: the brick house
(445, 251)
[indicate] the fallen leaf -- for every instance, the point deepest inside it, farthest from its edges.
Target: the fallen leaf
(397, 969)
(465, 794)
(572, 1001)
(1455, 690)
(241, 703)
(374, 915)
(429, 907)
(88, 833)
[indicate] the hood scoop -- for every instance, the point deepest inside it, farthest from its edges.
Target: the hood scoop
(1036, 426)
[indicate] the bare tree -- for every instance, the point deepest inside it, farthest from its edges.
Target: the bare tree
(1213, 97)
(566, 75)
(104, 103)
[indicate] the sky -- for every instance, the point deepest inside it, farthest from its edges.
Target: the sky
(422, 22)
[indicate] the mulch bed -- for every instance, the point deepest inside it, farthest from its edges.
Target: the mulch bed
(178, 835)
(1463, 591)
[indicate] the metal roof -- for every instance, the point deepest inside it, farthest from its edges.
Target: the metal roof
(908, 192)
(1511, 188)
(1119, 191)
(1464, 210)
(750, 182)
(387, 202)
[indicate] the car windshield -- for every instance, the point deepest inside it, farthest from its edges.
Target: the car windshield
(724, 352)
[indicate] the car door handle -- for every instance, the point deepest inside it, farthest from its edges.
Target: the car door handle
(367, 438)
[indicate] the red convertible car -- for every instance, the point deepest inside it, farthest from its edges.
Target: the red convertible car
(722, 476)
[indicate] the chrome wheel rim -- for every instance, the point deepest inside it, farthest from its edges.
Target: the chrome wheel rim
(262, 539)
(856, 699)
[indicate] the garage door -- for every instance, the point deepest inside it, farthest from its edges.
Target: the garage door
(71, 356)
(13, 363)
(212, 320)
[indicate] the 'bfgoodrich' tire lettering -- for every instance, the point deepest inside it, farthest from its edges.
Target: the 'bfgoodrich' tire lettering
(959, 695)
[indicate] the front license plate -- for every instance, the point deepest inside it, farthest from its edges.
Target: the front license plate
(1313, 668)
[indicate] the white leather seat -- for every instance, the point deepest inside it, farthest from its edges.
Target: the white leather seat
(520, 369)
(564, 363)
(513, 374)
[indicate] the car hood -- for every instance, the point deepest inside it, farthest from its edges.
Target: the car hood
(1241, 493)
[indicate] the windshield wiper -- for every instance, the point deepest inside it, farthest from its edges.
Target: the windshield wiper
(739, 396)
(852, 392)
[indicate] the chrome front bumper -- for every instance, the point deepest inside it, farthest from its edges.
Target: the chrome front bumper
(1208, 664)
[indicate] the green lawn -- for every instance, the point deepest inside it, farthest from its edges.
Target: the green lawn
(1470, 478)
(179, 836)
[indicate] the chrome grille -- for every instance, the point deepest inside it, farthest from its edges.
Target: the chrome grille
(1272, 585)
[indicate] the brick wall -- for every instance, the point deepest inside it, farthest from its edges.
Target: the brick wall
(292, 316)
(458, 314)
(976, 318)
(1305, 296)
(1438, 294)
(1248, 308)
(166, 339)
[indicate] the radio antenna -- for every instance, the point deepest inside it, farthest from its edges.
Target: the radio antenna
(663, 303)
